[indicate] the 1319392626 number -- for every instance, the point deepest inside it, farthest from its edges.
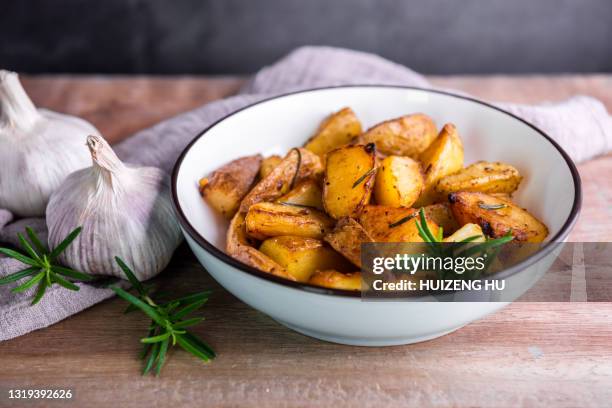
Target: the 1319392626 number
(40, 394)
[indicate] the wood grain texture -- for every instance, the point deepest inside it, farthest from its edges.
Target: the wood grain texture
(529, 354)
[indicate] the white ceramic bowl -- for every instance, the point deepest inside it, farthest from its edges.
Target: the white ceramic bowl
(551, 191)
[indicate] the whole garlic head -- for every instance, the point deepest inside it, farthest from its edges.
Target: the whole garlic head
(38, 149)
(125, 211)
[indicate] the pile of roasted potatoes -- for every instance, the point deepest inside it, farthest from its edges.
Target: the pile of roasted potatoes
(304, 216)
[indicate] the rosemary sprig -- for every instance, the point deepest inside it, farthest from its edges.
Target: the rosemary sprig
(403, 220)
(363, 177)
(42, 265)
(169, 323)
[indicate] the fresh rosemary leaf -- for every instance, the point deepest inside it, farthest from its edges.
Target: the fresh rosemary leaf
(152, 357)
(191, 298)
(147, 346)
(193, 348)
(148, 310)
(131, 277)
(423, 228)
(63, 282)
(64, 244)
(18, 275)
(34, 239)
(402, 220)
(30, 283)
(485, 206)
(472, 238)
(16, 255)
(161, 358)
(40, 292)
(28, 248)
(71, 273)
(200, 343)
(188, 323)
(362, 178)
(188, 309)
(156, 339)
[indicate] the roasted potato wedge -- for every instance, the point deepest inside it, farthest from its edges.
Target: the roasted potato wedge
(239, 246)
(442, 215)
(301, 257)
(336, 130)
(496, 216)
(306, 193)
(227, 185)
(399, 182)
(272, 219)
(484, 177)
(337, 280)
(392, 224)
(404, 136)
(298, 164)
(350, 172)
(443, 157)
(268, 164)
(347, 237)
(467, 231)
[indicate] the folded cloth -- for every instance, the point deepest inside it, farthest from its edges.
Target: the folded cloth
(581, 125)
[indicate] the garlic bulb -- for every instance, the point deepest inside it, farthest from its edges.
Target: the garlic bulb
(125, 211)
(38, 149)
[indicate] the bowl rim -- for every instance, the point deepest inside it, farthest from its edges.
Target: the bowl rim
(225, 258)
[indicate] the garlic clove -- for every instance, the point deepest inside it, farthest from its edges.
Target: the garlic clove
(38, 149)
(124, 210)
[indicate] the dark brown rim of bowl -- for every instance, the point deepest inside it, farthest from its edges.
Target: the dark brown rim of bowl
(222, 256)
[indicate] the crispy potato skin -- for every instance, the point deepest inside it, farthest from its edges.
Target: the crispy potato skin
(298, 164)
(272, 219)
(227, 185)
(306, 192)
(467, 231)
(347, 237)
(378, 221)
(268, 164)
(337, 280)
(442, 215)
(484, 177)
(345, 189)
(336, 130)
(467, 208)
(239, 246)
(404, 136)
(399, 182)
(443, 157)
(301, 257)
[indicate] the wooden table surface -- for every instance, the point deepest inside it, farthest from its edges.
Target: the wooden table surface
(528, 354)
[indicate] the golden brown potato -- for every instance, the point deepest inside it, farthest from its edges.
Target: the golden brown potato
(272, 219)
(268, 164)
(404, 136)
(239, 246)
(306, 193)
(442, 215)
(336, 130)
(298, 164)
(399, 182)
(347, 237)
(337, 280)
(349, 178)
(467, 231)
(227, 185)
(301, 257)
(496, 216)
(391, 224)
(484, 177)
(443, 157)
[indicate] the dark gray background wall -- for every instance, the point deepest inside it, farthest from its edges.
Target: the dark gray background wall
(239, 36)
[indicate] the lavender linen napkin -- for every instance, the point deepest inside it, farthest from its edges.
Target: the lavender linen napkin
(580, 124)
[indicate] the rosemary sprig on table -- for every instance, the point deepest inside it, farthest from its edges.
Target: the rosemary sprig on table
(43, 268)
(169, 323)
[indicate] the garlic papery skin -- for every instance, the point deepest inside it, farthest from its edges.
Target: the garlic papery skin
(125, 212)
(38, 149)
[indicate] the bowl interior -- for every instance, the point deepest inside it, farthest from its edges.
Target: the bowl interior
(276, 125)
